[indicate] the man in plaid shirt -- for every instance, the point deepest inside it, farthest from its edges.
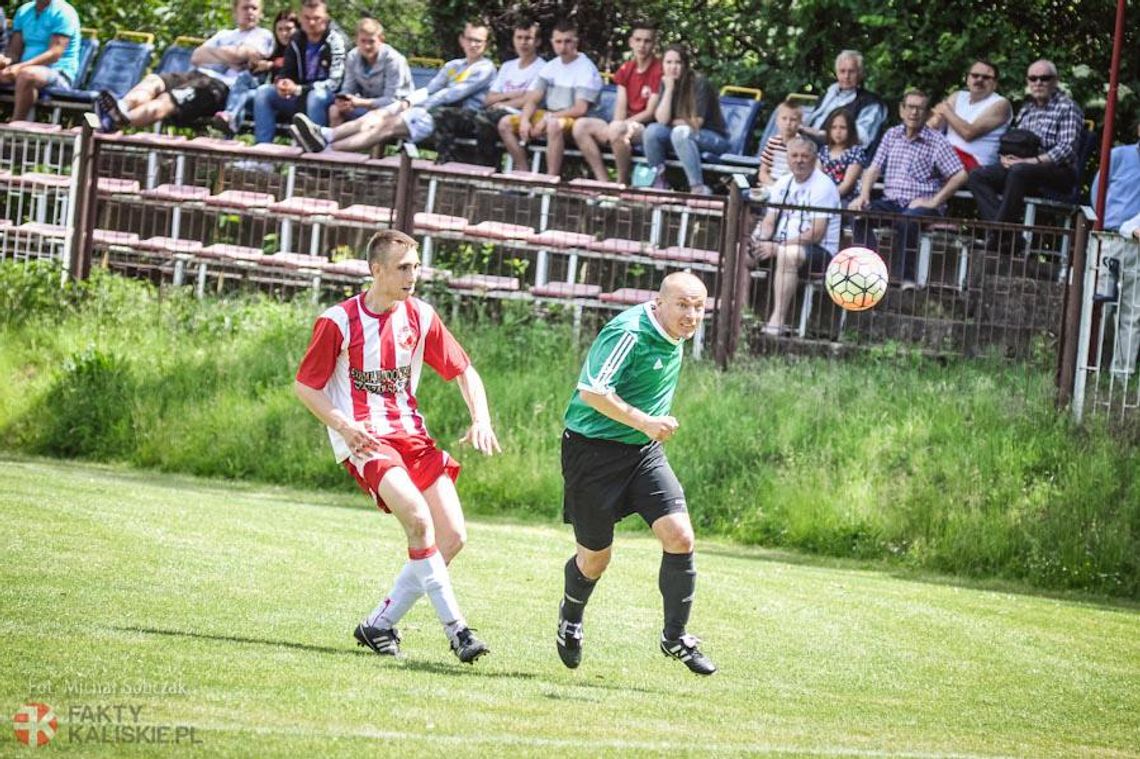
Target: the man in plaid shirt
(1058, 121)
(922, 172)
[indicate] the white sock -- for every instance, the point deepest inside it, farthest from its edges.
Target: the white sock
(327, 133)
(405, 592)
(436, 582)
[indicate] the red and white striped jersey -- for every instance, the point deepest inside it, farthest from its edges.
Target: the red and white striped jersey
(369, 364)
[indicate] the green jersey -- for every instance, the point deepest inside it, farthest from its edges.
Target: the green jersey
(634, 357)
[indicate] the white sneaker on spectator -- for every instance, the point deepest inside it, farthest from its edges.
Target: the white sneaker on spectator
(701, 189)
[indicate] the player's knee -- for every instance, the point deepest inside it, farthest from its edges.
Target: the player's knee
(419, 528)
(451, 544)
(594, 563)
(677, 538)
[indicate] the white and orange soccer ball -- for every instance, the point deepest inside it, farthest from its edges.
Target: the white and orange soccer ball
(856, 279)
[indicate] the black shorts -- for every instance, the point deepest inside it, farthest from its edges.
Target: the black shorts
(196, 96)
(605, 481)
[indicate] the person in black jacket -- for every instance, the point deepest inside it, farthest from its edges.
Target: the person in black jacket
(310, 77)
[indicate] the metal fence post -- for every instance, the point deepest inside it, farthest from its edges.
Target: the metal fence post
(1071, 322)
(86, 188)
(406, 192)
(732, 295)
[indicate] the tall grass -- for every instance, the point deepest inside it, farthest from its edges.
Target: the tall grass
(963, 467)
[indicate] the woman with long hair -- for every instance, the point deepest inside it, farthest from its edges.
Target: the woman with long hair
(842, 158)
(688, 117)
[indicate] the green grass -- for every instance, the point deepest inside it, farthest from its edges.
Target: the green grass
(243, 598)
(962, 467)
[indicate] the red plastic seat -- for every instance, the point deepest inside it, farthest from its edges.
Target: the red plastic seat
(485, 282)
(498, 230)
(178, 193)
(169, 245)
(566, 290)
(364, 213)
(629, 296)
(687, 255)
(298, 206)
(556, 238)
(438, 222)
(242, 199)
(232, 252)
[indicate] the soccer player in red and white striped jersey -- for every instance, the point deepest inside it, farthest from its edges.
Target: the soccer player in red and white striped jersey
(359, 377)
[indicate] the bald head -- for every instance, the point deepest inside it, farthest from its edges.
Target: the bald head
(682, 282)
(680, 304)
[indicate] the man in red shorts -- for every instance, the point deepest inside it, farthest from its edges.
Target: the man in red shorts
(359, 377)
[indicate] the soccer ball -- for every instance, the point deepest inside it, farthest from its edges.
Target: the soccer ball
(856, 279)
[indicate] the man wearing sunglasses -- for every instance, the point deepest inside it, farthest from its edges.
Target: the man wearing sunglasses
(1057, 121)
(974, 119)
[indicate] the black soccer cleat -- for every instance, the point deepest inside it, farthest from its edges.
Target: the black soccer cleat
(381, 640)
(686, 650)
(307, 134)
(467, 647)
(569, 641)
(111, 117)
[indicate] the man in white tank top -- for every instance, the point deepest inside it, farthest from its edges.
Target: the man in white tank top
(974, 118)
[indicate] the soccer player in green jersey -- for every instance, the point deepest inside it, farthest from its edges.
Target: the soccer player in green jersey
(613, 463)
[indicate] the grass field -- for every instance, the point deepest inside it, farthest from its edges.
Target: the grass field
(239, 602)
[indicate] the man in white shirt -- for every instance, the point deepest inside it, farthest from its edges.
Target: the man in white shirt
(797, 227)
(198, 94)
(974, 119)
(506, 97)
(568, 87)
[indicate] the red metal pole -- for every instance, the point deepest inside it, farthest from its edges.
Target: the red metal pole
(1109, 116)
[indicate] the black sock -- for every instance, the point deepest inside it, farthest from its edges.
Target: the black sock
(577, 593)
(678, 581)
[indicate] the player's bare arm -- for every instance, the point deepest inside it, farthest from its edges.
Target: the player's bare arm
(481, 435)
(356, 434)
(659, 428)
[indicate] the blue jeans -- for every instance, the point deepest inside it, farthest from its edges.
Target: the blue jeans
(241, 95)
(267, 105)
(687, 145)
(905, 248)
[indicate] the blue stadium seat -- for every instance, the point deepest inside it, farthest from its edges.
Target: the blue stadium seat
(752, 160)
(176, 58)
(424, 69)
(740, 114)
(119, 67)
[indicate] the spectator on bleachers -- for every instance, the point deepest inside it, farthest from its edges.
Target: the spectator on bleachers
(638, 83)
(867, 108)
(795, 229)
(462, 82)
(1122, 223)
(191, 96)
(229, 120)
(974, 119)
(506, 97)
(688, 117)
(1057, 121)
(566, 88)
(375, 75)
(843, 158)
(313, 70)
(43, 51)
(920, 173)
(774, 155)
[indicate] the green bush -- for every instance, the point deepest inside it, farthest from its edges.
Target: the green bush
(963, 468)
